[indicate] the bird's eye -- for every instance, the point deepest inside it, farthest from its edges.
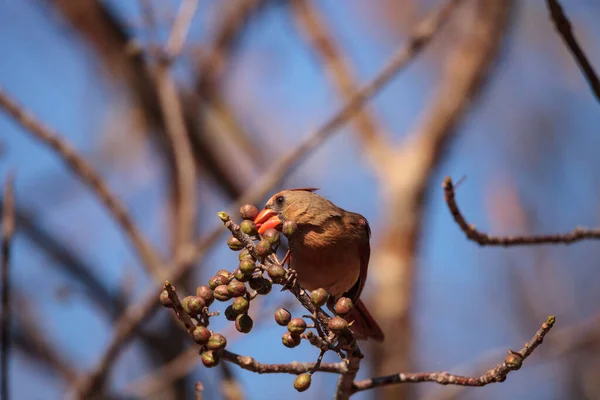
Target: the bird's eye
(279, 200)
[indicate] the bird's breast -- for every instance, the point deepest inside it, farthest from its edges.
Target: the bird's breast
(334, 267)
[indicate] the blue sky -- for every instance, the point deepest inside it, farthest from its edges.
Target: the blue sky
(534, 128)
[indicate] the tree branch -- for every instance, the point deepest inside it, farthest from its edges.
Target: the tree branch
(176, 129)
(512, 362)
(78, 165)
(8, 229)
(563, 26)
(294, 367)
(485, 239)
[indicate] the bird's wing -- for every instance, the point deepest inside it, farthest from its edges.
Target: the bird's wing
(364, 253)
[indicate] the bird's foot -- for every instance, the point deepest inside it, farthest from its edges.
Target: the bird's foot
(291, 279)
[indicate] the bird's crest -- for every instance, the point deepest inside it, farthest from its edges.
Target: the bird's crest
(306, 189)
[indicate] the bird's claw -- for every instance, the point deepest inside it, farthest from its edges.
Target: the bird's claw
(291, 279)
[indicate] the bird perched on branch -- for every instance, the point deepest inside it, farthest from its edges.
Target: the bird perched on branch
(329, 249)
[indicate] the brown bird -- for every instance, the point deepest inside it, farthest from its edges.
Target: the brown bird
(329, 249)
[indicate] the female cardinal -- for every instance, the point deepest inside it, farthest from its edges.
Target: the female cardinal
(329, 249)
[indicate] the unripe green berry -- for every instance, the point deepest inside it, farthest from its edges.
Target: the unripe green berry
(165, 300)
(276, 272)
(217, 280)
(343, 306)
(239, 276)
(338, 325)
(289, 228)
(248, 211)
(247, 266)
(230, 313)
(263, 248)
(206, 293)
(248, 227)
(243, 323)
(319, 297)
(272, 236)
(236, 288)
(216, 342)
(297, 326)
(302, 382)
(290, 340)
(210, 359)
(193, 304)
(222, 293)
(265, 288)
(243, 254)
(201, 334)
(240, 305)
(283, 317)
(234, 244)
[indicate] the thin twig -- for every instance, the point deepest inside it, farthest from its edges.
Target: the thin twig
(339, 72)
(485, 239)
(151, 259)
(293, 367)
(181, 28)
(174, 120)
(512, 362)
(8, 229)
(563, 26)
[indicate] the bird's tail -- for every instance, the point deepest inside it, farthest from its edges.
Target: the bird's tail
(364, 326)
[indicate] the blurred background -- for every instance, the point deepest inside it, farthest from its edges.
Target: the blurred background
(495, 97)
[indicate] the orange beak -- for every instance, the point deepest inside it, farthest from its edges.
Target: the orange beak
(266, 220)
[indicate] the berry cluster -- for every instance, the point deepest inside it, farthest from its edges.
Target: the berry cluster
(258, 269)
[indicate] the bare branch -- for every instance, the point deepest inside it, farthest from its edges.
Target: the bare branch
(563, 26)
(294, 367)
(176, 128)
(181, 28)
(81, 168)
(485, 239)
(339, 72)
(286, 164)
(512, 362)
(8, 229)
